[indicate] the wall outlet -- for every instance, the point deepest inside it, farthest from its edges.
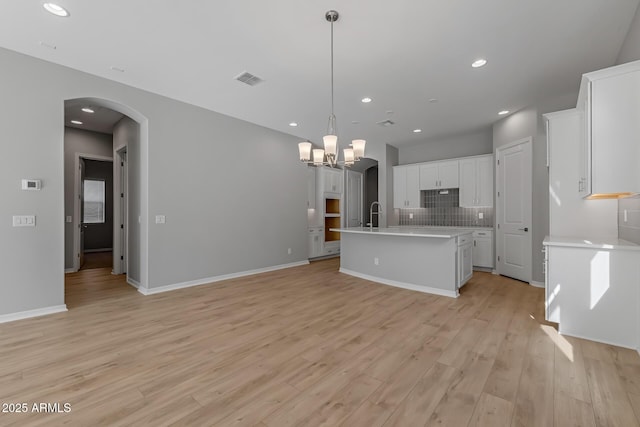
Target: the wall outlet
(410, 215)
(625, 215)
(69, 219)
(160, 219)
(480, 215)
(289, 251)
(376, 261)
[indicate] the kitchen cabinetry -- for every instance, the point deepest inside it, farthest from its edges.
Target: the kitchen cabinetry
(609, 151)
(331, 180)
(406, 191)
(476, 182)
(436, 175)
(483, 248)
(311, 188)
(465, 259)
(592, 289)
(315, 241)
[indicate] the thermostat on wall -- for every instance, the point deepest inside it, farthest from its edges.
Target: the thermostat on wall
(31, 184)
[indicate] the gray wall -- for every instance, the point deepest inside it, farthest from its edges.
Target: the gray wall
(100, 235)
(450, 147)
(630, 229)
(524, 123)
(630, 50)
(85, 142)
(234, 194)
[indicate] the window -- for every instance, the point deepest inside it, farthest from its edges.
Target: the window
(93, 201)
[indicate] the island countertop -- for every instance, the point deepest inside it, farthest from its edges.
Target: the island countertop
(407, 232)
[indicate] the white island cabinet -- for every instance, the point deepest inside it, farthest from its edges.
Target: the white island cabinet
(434, 261)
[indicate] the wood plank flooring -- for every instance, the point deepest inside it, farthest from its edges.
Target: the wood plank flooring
(308, 346)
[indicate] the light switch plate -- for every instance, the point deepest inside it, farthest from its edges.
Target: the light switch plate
(480, 215)
(69, 219)
(24, 220)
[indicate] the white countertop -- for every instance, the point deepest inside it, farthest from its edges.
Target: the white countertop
(595, 243)
(444, 227)
(439, 233)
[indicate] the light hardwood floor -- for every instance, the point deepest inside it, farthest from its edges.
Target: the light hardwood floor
(311, 346)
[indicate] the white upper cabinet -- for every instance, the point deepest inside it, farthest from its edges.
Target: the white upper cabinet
(436, 175)
(610, 147)
(331, 180)
(406, 190)
(476, 181)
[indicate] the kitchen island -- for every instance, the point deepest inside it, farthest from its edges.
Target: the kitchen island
(430, 260)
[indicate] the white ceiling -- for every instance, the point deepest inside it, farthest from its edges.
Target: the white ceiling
(101, 120)
(399, 53)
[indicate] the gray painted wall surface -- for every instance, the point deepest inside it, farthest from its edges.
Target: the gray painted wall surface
(629, 229)
(233, 193)
(100, 235)
(522, 124)
(78, 141)
(630, 50)
(468, 144)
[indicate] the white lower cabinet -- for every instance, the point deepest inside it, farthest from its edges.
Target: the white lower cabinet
(315, 241)
(483, 248)
(593, 293)
(465, 267)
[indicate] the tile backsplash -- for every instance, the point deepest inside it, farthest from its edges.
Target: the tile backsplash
(444, 210)
(629, 230)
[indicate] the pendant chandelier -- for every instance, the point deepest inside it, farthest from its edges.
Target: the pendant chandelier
(329, 156)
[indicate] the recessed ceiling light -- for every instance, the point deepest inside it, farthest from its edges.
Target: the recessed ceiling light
(417, 130)
(76, 122)
(293, 124)
(56, 9)
(366, 100)
(88, 110)
(479, 63)
(503, 112)
(433, 100)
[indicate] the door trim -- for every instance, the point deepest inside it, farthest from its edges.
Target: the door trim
(499, 213)
(76, 202)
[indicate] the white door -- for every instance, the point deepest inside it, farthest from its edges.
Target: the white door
(513, 209)
(354, 199)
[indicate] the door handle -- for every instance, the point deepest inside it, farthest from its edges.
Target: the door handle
(526, 229)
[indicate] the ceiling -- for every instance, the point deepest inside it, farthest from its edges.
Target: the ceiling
(402, 54)
(101, 120)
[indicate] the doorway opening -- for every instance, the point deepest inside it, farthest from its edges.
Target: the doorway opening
(361, 191)
(105, 145)
(94, 209)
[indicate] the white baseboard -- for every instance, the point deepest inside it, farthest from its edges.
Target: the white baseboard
(536, 284)
(495, 272)
(133, 283)
(207, 280)
(403, 285)
(70, 270)
(32, 313)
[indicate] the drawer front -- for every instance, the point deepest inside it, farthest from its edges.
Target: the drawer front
(480, 233)
(462, 240)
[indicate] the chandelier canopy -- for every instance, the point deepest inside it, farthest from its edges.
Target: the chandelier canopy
(329, 155)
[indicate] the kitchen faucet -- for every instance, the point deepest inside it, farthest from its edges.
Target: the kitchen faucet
(371, 212)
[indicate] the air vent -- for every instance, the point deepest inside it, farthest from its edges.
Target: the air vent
(386, 123)
(248, 78)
